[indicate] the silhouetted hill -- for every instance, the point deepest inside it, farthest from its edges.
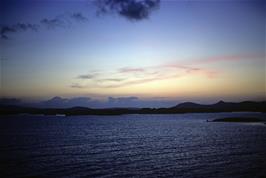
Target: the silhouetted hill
(225, 106)
(187, 107)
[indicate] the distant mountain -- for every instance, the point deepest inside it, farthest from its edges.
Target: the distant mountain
(224, 106)
(187, 107)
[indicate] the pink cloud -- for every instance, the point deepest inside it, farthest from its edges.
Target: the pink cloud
(229, 58)
(192, 70)
(179, 66)
(141, 81)
(169, 70)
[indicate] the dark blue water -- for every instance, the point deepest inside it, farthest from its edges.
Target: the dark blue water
(182, 145)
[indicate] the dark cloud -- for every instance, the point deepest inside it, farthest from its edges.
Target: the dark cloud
(122, 100)
(133, 102)
(130, 9)
(131, 70)
(61, 21)
(66, 102)
(53, 23)
(59, 102)
(79, 17)
(5, 30)
(24, 27)
(76, 85)
(87, 76)
(112, 80)
(110, 102)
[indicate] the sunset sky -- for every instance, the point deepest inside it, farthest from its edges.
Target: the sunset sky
(201, 51)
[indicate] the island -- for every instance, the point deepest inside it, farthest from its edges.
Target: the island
(239, 119)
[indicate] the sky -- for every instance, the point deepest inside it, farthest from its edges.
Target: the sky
(143, 53)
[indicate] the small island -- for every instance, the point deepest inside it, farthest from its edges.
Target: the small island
(239, 119)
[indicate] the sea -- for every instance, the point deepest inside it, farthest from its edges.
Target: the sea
(169, 145)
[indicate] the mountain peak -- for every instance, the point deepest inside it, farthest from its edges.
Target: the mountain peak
(56, 98)
(220, 102)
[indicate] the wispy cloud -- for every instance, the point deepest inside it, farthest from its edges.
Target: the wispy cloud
(140, 81)
(60, 21)
(192, 70)
(86, 76)
(5, 30)
(63, 20)
(213, 59)
(130, 70)
(134, 76)
(112, 79)
(127, 76)
(79, 17)
(122, 100)
(77, 85)
(132, 10)
(174, 65)
(53, 22)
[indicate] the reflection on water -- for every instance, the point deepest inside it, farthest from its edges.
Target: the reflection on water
(182, 145)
